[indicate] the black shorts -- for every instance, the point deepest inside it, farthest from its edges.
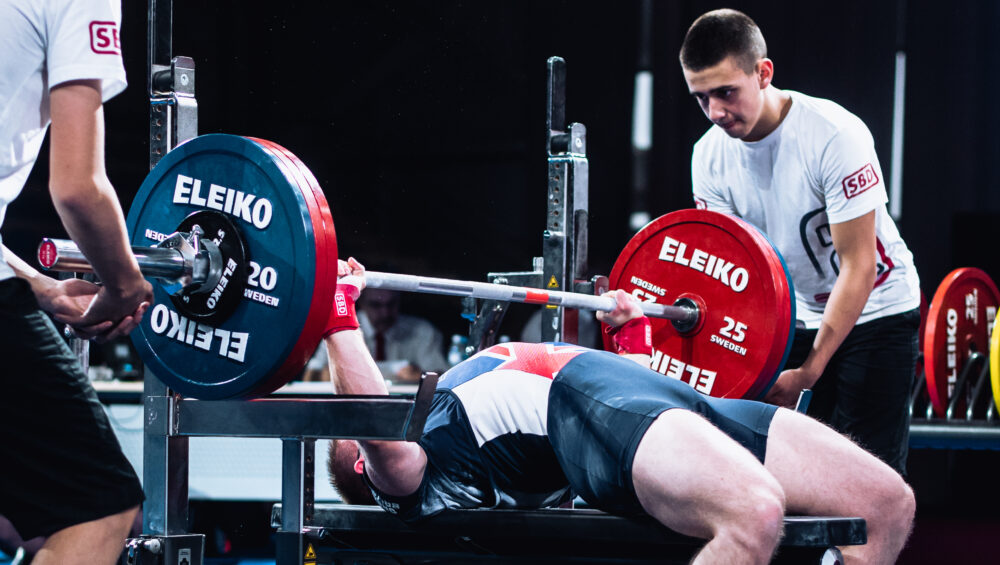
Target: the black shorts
(60, 462)
(864, 390)
(600, 406)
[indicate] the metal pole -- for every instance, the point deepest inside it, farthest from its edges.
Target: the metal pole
(898, 115)
(642, 120)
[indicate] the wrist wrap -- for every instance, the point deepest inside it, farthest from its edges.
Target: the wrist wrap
(342, 315)
(634, 336)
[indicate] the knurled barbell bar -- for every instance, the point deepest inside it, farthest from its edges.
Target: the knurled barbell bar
(170, 266)
(241, 234)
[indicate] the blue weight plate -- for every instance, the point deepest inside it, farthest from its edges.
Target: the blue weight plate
(236, 357)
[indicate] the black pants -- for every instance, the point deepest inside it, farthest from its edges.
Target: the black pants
(60, 462)
(864, 391)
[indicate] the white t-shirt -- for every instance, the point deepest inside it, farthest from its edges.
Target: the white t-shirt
(817, 168)
(44, 43)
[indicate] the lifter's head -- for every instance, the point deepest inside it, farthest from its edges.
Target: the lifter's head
(345, 467)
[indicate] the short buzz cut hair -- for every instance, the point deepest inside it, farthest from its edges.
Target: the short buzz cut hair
(344, 479)
(719, 34)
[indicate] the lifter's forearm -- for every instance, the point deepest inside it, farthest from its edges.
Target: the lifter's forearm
(353, 371)
(395, 467)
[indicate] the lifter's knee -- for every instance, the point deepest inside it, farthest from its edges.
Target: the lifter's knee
(897, 506)
(758, 528)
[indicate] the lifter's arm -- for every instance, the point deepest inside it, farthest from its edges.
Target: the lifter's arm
(394, 467)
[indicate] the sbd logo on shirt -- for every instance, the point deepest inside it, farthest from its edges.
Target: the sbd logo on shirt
(860, 181)
(104, 38)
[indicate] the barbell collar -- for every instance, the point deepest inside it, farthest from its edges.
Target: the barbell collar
(176, 262)
(430, 285)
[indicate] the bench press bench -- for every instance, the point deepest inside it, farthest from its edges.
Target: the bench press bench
(354, 535)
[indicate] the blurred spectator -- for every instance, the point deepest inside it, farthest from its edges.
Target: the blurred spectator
(404, 346)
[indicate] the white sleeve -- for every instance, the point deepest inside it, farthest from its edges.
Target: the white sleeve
(707, 194)
(84, 42)
(851, 175)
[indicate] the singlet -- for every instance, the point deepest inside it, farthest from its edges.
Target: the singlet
(485, 437)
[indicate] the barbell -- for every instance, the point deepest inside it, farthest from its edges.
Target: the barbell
(240, 238)
(174, 269)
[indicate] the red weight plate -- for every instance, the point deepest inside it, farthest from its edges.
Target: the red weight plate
(301, 349)
(742, 340)
(959, 321)
(324, 208)
(326, 265)
(322, 221)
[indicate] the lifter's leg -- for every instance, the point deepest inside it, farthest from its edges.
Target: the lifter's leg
(824, 473)
(697, 481)
(99, 541)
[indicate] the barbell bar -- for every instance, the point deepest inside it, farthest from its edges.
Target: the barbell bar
(170, 264)
(682, 314)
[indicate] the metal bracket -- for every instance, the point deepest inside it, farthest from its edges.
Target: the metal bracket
(173, 112)
(188, 549)
(564, 241)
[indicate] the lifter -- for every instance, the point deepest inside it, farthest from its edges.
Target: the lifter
(525, 425)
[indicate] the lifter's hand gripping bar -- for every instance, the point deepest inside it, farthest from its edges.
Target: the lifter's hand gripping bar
(180, 264)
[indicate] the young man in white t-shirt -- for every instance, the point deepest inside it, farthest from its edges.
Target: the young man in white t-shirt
(805, 172)
(62, 472)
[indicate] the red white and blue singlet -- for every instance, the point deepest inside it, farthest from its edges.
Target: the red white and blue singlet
(486, 437)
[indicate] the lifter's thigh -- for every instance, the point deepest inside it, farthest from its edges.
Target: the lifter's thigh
(824, 473)
(693, 478)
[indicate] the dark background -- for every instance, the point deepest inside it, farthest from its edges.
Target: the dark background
(425, 122)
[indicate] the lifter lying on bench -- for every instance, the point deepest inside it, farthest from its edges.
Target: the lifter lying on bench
(525, 425)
